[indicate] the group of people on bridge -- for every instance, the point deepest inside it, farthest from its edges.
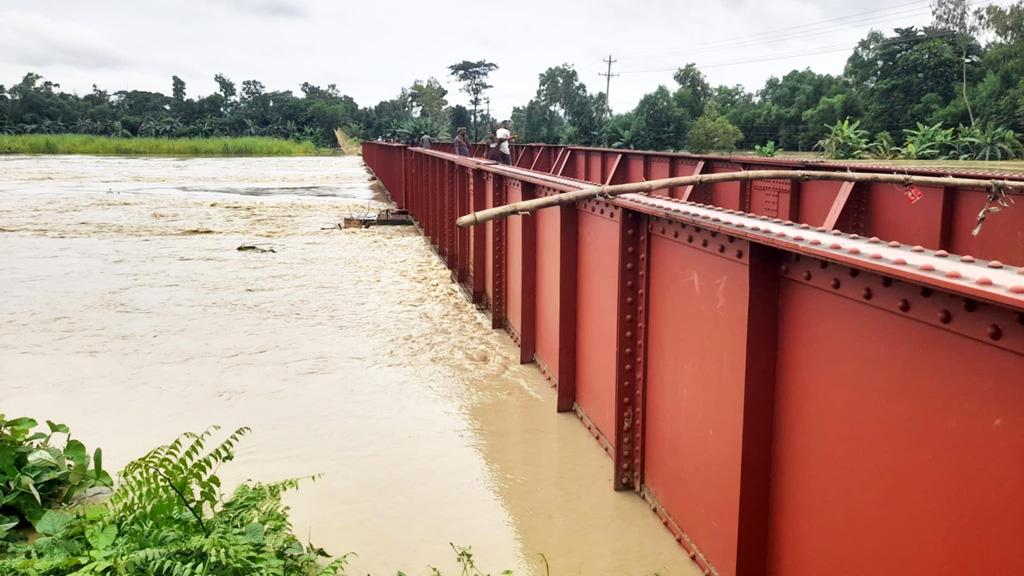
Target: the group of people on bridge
(498, 148)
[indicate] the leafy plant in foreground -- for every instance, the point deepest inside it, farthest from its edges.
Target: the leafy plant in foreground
(169, 517)
(39, 472)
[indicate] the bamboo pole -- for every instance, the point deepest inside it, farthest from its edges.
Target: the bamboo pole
(528, 206)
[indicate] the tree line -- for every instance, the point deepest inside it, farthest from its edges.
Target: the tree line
(954, 88)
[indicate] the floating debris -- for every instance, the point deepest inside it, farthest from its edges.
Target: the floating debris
(388, 217)
(256, 248)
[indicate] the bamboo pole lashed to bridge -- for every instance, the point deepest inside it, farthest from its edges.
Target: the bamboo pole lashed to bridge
(995, 187)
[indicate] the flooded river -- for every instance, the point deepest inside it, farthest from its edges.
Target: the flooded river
(128, 313)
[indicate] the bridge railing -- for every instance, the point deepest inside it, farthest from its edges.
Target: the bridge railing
(790, 398)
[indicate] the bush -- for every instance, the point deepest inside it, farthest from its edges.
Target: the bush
(39, 472)
(882, 148)
(712, 132)
(168, 516)
(768, 150)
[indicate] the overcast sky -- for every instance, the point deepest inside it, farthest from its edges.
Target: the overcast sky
(371, 49)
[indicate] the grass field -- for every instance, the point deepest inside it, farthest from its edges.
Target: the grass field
(107, 146)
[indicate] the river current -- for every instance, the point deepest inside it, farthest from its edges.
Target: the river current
(127, 312)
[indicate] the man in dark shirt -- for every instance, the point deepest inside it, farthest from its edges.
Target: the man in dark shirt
(461, 146)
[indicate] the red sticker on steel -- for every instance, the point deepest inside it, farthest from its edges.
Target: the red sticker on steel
(913, 194)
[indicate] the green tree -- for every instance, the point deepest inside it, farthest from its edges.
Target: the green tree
(225, 86)
(564, 103)
(538, 123)
(784, 101)
(955, 16)
(429, 98)
(473, 77)
(999, 96)
(712, 131)
(177, 88)
(657, 122)
(458, 117)
(909, 77)
(691, 96)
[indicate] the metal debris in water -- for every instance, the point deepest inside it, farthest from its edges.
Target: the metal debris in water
(387, 217)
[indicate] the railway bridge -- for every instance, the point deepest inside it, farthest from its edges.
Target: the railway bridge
(800, 377)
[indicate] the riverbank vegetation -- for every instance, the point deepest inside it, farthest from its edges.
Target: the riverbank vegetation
(146, 146)
(166, 515)
(62, 514)
(953, 89)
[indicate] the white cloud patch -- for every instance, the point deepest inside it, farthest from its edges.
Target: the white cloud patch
(275, 8)
(35, 40)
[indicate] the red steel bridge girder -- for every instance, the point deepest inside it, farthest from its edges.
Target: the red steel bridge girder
(936, 218)
(789, 398)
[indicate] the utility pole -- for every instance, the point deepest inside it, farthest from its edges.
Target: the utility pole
(608, 83)
(487, 101)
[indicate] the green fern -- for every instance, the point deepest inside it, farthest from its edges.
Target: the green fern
(168, 517)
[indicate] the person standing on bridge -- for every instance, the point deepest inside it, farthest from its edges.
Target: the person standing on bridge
(493, 152)
(425, 141)
(504, 136)
(461, 145)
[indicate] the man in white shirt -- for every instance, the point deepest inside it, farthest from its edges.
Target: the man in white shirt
(503, 136)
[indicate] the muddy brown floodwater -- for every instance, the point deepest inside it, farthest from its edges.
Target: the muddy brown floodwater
(128, 313)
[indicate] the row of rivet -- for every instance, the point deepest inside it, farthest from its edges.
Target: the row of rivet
(698, 237)
(852, 250)
(632, 353)
(991, 326)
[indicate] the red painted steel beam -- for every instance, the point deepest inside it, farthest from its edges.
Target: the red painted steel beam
(463, 181)
(477, 237)
(974, 277)
(566, 391)
(838, 205)
(991, 281)
(528, 284)
(762, 327)
(629, 352)
(498, 300)
(614, 171)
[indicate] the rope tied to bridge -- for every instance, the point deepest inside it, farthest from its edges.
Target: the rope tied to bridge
(523, 207)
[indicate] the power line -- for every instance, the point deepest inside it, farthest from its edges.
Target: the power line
(803, 26)
(807, 30)
(608, 83)
(749, 42)
(820, 50)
